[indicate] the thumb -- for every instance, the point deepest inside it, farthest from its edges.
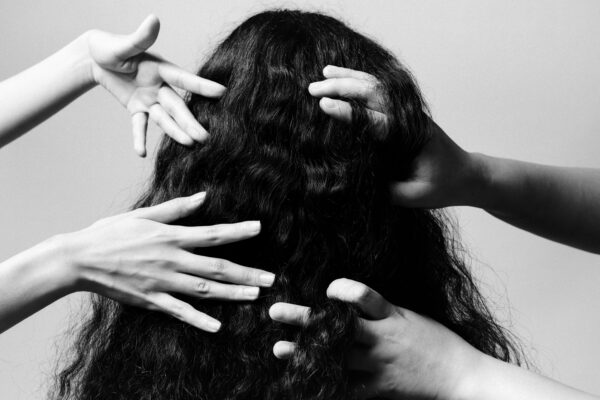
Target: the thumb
(144, 37)
(408, 194)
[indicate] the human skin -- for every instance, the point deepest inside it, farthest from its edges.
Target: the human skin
(140, 257)
(408, 356)
(142, 82)
(558, 203)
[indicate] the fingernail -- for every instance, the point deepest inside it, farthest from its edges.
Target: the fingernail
(198, 197)
(251, 292)
(213, 325)
(327, 102)
(266, 278)
(253, 226)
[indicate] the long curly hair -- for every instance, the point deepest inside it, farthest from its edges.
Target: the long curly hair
(319, 187)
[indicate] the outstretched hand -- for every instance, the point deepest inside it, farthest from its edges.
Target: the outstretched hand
(403, 355)
(143, 83)
(443, 174)
(141, 259)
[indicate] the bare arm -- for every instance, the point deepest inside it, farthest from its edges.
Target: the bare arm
(142, 82)
(561, 204)
(29, 98)
(137, 258)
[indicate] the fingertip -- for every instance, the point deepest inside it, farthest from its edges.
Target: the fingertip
(283, 350)
(328, 69)
(186, 140)
(315, 88)
(327, 103)
(208, 88)
(147, 32)
(198, 198)
(334, 287)
(212, 326)
(140, 152)
(275, 311)
(219, 89)
(150, 21)
(198, 133)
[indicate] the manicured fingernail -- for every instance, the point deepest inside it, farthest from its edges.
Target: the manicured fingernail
(266, 278)
(251, 292)
(213, 325)
(198, 197)
(327, 102)
(253, 226)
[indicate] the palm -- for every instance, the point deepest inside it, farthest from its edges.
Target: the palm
(143, 82)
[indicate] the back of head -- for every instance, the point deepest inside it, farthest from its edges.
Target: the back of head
(319, 187)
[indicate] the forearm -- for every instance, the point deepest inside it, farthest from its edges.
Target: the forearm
(561, 204)
(31, 280)
(32, 96)
(497, 380)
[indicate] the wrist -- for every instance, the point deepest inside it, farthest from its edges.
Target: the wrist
(475, 380)
(61, 266)
(81, 61)
(479, 181)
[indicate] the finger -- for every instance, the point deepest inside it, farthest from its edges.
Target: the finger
(332, 71)
(139, 122)
(223, 270)
(284, 350)
(342, 110)
(140, 40)
(177, 108)
(207, 289)
(371, 303)
(292, 314)
(349, 88)
(411, 194)
(215, 235)
(171, 210)
(185, 80)
(184, 312)
(338, 109)
(169, 126)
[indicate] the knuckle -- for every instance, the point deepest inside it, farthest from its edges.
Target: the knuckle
(212, 234)
(250, 276)
(202, 286)
(217, 268)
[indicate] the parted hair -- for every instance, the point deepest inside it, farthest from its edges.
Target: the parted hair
(320, 189)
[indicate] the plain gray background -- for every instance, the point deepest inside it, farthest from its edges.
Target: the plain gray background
(518, 79)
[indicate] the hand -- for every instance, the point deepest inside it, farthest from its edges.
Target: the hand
(137, 259)
(443, 174)
(403, 354)
(143, 82)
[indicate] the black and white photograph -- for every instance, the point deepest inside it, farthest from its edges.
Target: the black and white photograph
(300, 200)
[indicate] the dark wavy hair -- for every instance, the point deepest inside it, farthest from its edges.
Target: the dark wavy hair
(319, 187)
